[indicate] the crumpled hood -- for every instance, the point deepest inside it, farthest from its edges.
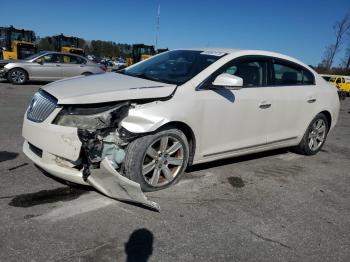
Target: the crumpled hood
(108, 87)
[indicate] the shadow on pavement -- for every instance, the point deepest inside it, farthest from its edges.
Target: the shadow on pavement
(233, 160)
(4, 155)
(46, 196)
(139, 246)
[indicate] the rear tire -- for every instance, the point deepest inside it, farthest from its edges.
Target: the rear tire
(157, 161)
(17, 76)
(314, 137)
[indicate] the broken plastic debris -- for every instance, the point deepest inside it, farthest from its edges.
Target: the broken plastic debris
(109, 182)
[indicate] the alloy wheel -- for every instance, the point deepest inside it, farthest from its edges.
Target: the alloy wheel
(317, 134)
(18, 77)
(163, 161)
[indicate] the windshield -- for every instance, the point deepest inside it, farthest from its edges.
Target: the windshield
(174, 67)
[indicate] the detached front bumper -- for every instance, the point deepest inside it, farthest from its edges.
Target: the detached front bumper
(53, 148)
(56, 149)
(51, 164)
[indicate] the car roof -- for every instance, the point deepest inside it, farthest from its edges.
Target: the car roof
(59, 53)
(239, 51)
(242, 52)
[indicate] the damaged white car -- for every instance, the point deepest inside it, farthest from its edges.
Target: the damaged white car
(138, 130)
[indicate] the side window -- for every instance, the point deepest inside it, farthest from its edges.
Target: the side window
(52, 58)
(338, 80)
(69, 59)
(252, 72)
(343, 80)
(286, 74)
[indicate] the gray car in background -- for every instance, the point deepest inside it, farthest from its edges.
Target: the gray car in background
(47, 66)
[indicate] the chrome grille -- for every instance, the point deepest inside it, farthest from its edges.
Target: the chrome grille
(41, 107)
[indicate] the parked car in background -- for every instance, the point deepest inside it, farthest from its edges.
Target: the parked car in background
(106, 62)
(119, 63)
(47, 66)
(151, 120)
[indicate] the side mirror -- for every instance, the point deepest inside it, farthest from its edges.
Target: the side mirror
(228, 81)
(40, 61)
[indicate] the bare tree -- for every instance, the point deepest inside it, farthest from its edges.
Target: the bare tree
(348, 60)
(345, 61)
(340, 29)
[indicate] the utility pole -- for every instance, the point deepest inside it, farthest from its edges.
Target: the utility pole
(157, 26)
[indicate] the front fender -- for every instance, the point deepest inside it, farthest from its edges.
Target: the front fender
(139, 122)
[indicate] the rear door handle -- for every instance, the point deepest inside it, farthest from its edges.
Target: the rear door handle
(58, 65)
(311, 100)
(264, 105)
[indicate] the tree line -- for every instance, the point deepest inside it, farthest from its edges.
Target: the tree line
(341, 29)
(98, 48)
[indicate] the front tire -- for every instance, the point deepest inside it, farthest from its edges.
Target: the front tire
(315, 136)
(158, 160)
(17, 76)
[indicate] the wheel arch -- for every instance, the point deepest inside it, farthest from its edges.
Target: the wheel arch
(18, 67)
(187, 130)
(328, 116)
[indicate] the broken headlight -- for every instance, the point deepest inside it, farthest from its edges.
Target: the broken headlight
(92, 117)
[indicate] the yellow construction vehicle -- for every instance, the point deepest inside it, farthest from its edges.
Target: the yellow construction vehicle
(16, 43)
(342, 83)
(67, 44)
(139, 53)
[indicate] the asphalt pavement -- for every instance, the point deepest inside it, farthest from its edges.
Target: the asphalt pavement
(273, 206)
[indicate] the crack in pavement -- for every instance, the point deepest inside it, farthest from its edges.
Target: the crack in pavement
(18, 166)
(269, 239)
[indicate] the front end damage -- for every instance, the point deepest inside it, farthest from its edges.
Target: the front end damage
(103, 150)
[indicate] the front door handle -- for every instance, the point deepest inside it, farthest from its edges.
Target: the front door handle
(264, 105)
(311, 100)
(58, 65)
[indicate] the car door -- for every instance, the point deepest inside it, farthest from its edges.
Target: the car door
(48, 69)
(293, 98)
(235, 120)
(72, 65)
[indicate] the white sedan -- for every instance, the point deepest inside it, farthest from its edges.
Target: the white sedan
(140, 128)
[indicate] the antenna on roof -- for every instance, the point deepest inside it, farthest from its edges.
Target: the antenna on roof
(157, 26)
